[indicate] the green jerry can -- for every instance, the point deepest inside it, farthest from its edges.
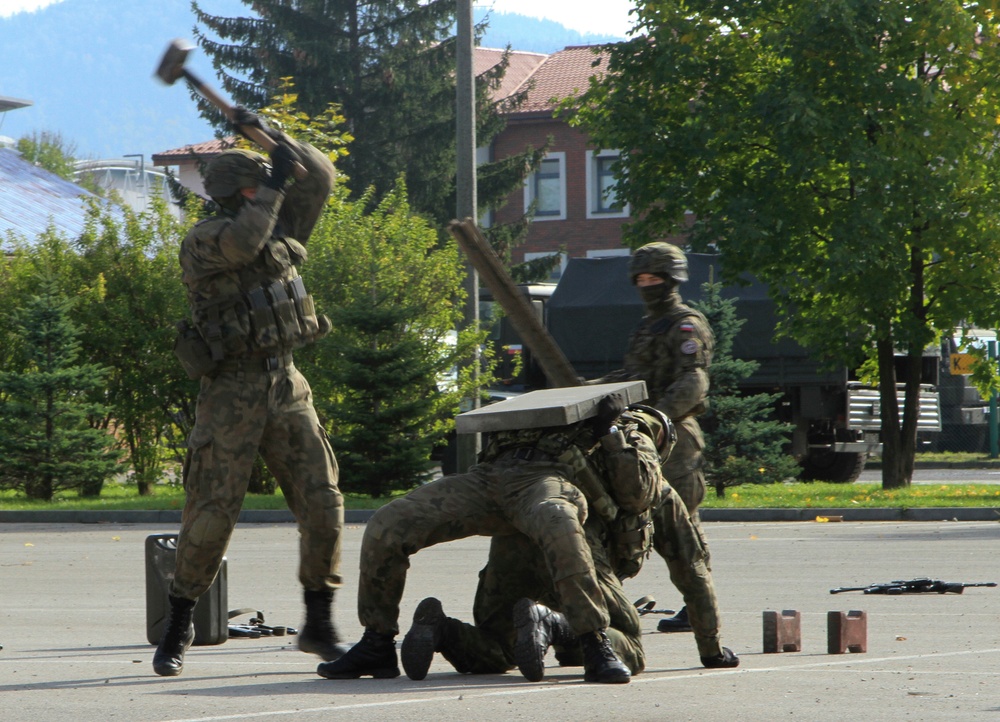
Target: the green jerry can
(211, 613)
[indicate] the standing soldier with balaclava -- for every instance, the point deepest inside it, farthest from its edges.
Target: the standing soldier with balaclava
(671, 350)
(249, 310)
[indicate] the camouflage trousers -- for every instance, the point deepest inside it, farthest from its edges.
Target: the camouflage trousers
(684, 467)
(515, 570)
(241, 414)
(502, 498)
(679, 541)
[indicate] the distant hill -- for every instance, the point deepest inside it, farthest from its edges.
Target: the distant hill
(87, 65)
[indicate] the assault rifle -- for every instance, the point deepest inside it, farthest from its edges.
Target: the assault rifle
(922, 585)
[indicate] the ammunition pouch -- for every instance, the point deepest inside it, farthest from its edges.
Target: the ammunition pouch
(193, 351)
(631, 543)
(265, 320)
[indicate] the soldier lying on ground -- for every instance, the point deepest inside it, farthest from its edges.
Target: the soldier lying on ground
(524, 484)
(511, 628)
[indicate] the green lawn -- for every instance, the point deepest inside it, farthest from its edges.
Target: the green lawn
(794, 495)
(118, 497)
(845, 496)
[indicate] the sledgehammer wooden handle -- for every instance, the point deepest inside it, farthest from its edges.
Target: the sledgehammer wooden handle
(172, 67)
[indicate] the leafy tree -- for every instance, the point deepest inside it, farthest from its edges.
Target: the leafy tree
(844, 153)
(381, 379)
(389, 67)
(126, 268)
(743, 441)
(50, 151)
(47, 440)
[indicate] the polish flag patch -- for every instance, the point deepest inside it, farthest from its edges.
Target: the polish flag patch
(688, 327)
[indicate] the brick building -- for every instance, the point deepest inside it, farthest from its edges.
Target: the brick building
(576, 211)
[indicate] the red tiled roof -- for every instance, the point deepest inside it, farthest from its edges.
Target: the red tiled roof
(560, 75)
(194, 151)
(563, 74)
(519, 69)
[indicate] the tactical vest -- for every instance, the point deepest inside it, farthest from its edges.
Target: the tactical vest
(260, 310)
(644, 357)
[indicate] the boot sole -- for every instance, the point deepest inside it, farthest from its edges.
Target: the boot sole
(529, 658)
(420, 643)
(665, 626)
(616, 679)
(417, 652)
(168, 671)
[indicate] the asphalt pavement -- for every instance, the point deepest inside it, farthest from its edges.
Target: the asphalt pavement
(74, 633)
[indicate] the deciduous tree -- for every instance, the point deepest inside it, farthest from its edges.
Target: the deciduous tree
(844, 153)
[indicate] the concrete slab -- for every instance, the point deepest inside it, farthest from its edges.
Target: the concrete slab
(74, 647)
(546, 407)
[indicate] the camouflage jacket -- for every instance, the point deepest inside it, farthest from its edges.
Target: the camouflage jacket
(671, 350)
(226, 257)
(623, 464)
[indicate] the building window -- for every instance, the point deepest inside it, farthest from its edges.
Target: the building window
(547, 187)
(608, 252)
(556, 273)
(602, 201)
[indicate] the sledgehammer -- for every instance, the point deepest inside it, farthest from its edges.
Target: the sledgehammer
(171, 69)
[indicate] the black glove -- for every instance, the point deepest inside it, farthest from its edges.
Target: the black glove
(608, 410)
(243, 118)
(283, 160)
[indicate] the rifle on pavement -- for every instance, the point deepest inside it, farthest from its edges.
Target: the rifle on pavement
(922, 585)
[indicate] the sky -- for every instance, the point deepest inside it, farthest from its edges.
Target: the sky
(609, 17)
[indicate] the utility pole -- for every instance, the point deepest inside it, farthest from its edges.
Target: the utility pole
(467, 445)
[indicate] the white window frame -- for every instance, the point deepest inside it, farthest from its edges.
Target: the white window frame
(593, 198)
(529, 190)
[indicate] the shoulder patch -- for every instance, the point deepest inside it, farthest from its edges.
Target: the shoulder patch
(686, 326)
(690, 346)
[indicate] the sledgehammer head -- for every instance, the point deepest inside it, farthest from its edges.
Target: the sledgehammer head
(171, 68)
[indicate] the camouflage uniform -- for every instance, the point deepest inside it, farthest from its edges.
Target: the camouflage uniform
(629, 467)
(517, 488)
(671, 350)
(249, 306)
(513, 572)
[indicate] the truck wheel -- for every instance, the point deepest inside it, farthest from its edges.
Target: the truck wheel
(838, 468)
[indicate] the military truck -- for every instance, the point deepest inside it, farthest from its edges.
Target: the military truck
(836, 419)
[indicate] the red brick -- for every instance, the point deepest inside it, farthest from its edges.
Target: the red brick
(846, 632)
(782, 632)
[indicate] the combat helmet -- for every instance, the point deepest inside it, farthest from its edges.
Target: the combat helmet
(657, 425)
(662, 259)
(234, 169)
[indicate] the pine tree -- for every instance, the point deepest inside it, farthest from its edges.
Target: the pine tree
(47, 442)
(390, 67)
(381, 377)
(743, 441)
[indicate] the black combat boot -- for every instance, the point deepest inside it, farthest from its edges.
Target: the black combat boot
(570, 655)
(677, 623)
(600, 663)
(537, 628)
(374, 656)
(318, 635)
(725, 659)
(168, 661)
(423, 639)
